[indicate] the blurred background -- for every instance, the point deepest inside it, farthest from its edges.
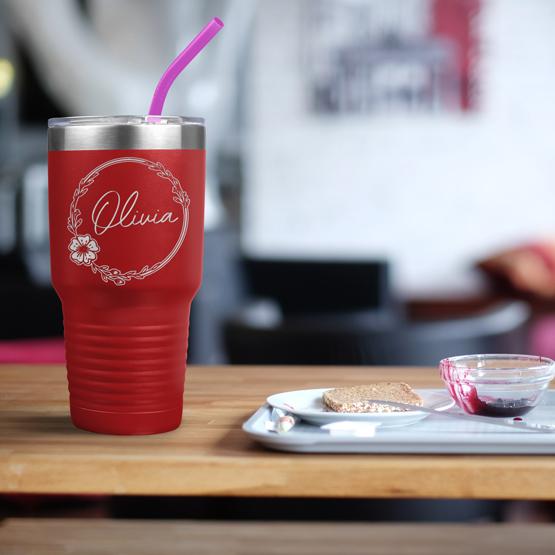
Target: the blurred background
(380, 172)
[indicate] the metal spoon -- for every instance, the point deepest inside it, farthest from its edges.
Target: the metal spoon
(514, 424)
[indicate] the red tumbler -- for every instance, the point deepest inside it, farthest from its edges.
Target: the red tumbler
(126, 206)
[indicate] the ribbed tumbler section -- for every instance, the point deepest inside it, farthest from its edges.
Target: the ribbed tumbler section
(118, 374)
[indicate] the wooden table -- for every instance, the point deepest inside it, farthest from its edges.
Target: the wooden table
(104, 537)
(41, 452)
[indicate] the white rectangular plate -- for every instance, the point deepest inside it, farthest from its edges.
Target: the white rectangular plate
(433, 435)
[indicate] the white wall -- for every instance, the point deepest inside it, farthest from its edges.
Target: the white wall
(432, 194)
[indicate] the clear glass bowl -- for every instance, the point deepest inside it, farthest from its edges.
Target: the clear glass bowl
(497, 385)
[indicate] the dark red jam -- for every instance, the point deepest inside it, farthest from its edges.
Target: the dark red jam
(488, 406)
(503, 408)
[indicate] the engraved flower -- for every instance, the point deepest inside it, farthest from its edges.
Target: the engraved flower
(83, 249)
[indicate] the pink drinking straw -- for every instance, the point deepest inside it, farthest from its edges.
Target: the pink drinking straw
(180, 63)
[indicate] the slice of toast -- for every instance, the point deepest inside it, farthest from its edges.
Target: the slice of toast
(359, 397)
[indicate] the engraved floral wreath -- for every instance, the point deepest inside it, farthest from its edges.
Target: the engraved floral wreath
(84, 250)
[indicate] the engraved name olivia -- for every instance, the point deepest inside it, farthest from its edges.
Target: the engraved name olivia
(110, 212)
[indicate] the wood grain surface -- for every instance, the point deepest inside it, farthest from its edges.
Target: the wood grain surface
(107, 537)
(41, 452)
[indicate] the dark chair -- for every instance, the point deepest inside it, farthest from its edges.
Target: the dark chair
(260, 334)
(321, 286)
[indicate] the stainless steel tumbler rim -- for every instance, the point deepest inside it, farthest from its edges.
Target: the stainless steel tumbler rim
(126, 133)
